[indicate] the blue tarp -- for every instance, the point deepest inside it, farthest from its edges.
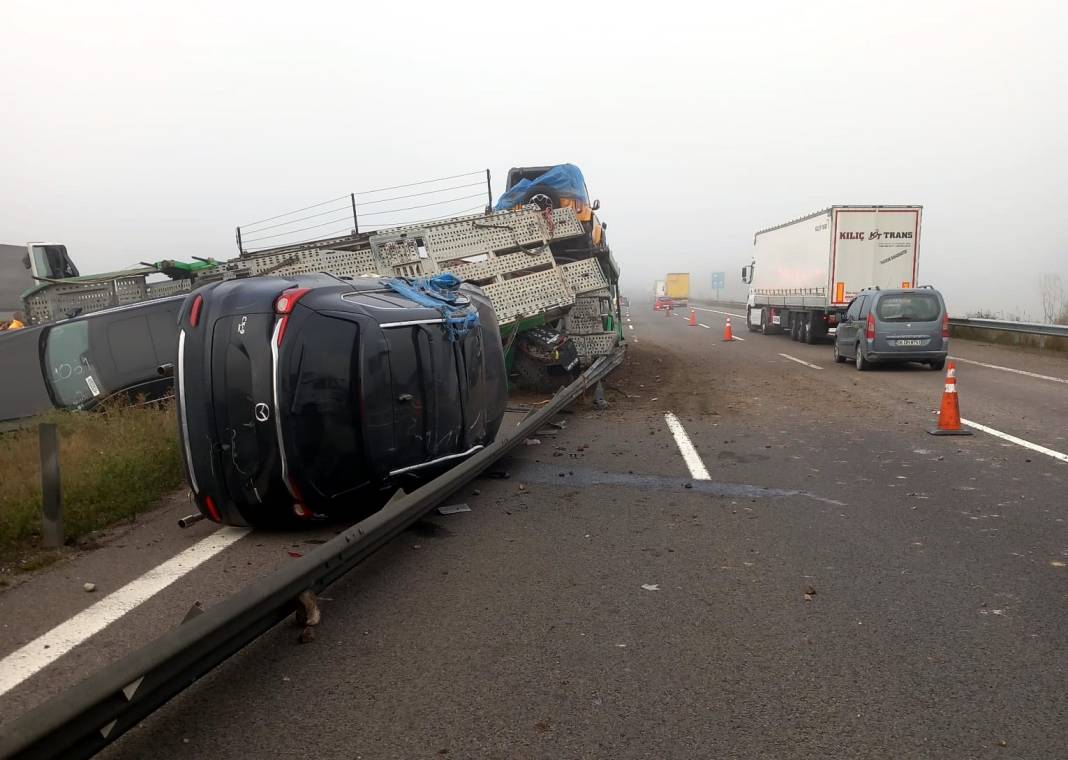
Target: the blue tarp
(440, 292)
(565, 179)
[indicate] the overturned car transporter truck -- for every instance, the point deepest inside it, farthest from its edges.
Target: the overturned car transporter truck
(255, 405)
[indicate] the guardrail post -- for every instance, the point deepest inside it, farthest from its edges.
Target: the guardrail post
(51, 493)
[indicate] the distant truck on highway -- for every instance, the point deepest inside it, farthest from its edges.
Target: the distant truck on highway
(678, 287)
(659, 289)
(806, 271)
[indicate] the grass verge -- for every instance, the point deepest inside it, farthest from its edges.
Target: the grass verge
(114, 463)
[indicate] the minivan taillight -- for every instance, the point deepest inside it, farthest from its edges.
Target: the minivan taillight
(194, 311)
(283, 307)
(869, 332)
(945, 325)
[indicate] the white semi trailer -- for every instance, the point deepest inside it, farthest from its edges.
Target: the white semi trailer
(806, 271)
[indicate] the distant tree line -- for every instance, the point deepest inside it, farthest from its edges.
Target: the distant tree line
(1054, 304)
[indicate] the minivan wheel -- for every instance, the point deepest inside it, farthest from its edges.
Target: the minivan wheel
(862, 363)
(938, 364)
(838, 358)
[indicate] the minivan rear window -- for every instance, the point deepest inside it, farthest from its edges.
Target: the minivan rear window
(909, 307)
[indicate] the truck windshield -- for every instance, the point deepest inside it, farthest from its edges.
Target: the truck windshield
(52, 261)
(909, 307)
(70, 372)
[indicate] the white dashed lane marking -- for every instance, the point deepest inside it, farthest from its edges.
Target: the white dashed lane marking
(800, 361)
(1010, 369)
(689, 453)
(1017, 441)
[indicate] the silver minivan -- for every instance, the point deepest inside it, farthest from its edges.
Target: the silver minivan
(901, 325)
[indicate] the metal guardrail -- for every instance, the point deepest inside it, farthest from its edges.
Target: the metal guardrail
(86, 718)
(1030, 328)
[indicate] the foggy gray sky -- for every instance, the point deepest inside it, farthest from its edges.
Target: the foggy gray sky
(136, 131)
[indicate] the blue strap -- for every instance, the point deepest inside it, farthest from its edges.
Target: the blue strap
(441, 292)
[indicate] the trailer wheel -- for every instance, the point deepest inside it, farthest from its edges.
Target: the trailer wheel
(765, 328)
(811, 330)
(543, 196)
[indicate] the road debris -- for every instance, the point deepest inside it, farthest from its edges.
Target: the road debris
(532, 442)
(453, 509)
(599, 401)
(90, 587)
(810, 592)
(651, 586)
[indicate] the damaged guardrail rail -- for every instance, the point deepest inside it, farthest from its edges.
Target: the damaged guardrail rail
(92, 714)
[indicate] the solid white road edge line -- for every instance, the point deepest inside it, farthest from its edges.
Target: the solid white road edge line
(735, 337)
(1010, 369)
(799, 361)
(689, 453)
(49, 647)
(1014, 439)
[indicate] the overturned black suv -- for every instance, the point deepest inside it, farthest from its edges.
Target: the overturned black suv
(313, 396)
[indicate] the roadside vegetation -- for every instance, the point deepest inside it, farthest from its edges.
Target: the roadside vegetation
(114, 464)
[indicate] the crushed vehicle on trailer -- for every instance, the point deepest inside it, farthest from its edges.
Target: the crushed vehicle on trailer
(314, 395)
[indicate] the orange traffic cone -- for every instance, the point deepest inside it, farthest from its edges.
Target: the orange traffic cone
(727, 334)
(693, 318)
(949, 414)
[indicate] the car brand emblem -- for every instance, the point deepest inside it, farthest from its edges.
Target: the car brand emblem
(241, 325)
(263, 412)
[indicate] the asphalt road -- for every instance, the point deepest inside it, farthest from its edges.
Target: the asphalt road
(842, 584)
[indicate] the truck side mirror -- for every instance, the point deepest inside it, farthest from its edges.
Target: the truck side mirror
(596, 205)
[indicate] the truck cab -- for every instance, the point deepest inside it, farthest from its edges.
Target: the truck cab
(23, 267)
(560, 186)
